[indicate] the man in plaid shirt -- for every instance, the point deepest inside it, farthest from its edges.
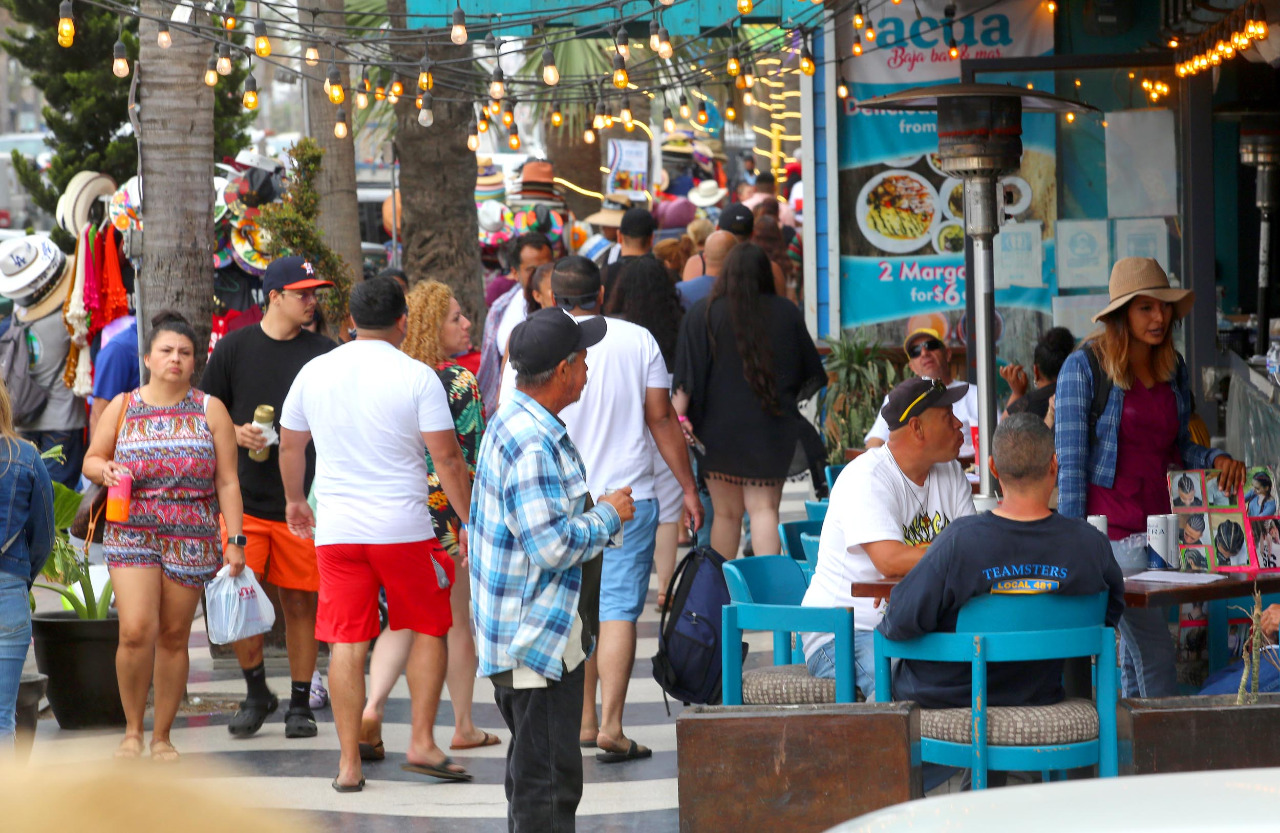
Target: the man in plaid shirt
(532, 528)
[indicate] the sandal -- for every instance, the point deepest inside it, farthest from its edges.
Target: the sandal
(129, 752)
(441, 770)
(371, 748)
(486, 740)
(163, 752)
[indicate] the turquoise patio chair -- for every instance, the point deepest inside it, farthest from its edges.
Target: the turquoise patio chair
(765, 594)
(1074, 733)
(832, 473)
(816, 510)
(789, 533)
(810, 545)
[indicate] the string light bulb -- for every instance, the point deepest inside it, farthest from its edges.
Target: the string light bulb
(362, 98)
(508, 114)
(340, 125)
(684, 108)
(954, 50)
(550, 75)
(337, 95)
(666, 2)
(458, 31)
(250, 97)
(746, 7)
(426, 78)
(229, 21)
(120, 60)
(842, 89)
(857, 45)
(620, 78)
(495, 108)
(702, 117)
(261, 43)
(1071, 117)
(473, 138)
(655, 39)
(589, 136)
(312, 55)
(557, 118)
(163, 39)
(1051, 6)
(66, 23)
(730, 112)
(625, 114)
(668, 122)
(622, 42)
(426, 113)
(211, 73)
(394, 90)
(807, 66)
(497, 85)
(598, 122)
(858, 20)
(734, 66)
(379, 93)
(748, 99)
(224, 59)
(483, 124)
(749, 76)
(491, 42)
(665, 49)
(513, 138)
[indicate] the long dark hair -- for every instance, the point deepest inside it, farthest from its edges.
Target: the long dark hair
(745, 279)
(644, 295)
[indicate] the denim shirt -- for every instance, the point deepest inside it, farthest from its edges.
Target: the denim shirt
(1083, 459)
(26, 510)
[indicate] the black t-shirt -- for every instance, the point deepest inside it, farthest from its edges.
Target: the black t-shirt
(982, 554)
(1036, 401)
(248, 368)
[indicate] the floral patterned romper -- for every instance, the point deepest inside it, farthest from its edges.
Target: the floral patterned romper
(173, 511)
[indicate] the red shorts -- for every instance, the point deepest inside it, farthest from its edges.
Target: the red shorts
(350, 575)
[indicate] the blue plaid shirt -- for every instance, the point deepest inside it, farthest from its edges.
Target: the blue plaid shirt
(528, 537)
(1083, 459)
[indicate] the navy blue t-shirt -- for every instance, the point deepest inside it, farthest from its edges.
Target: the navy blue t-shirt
(983, 554)
(116, 368)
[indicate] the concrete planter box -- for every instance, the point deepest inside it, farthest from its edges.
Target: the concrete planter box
(1188, 734)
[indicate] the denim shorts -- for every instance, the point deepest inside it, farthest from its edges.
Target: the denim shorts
(624, 573)
(822, 663)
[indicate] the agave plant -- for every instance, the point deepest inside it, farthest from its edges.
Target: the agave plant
(858, 376)
(67, 565)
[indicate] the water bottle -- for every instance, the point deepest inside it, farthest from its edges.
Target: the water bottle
(264, 417)
(118, 497)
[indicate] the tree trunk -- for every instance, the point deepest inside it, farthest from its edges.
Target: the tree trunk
(437, 187)
(339, 213)
(176, 150)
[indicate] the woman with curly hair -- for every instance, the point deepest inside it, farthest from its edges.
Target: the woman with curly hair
(437, 332)
(744, 361)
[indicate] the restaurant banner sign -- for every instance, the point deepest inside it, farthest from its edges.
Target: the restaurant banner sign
(902, 216)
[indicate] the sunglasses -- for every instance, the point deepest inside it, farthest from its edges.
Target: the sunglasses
(919, 347)
(935, 387)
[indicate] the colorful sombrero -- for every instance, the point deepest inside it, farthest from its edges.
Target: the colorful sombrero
(496, 223)
(541, 219)
(247, 244)
(123, 208)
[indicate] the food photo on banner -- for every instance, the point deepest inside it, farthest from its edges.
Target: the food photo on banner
(902, 246)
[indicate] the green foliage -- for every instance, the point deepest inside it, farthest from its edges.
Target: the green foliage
(859, 377)
(87, 106)
(291, 228)
(67, 565)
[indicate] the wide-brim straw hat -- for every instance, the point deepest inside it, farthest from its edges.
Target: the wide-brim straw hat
(52, 301)
(707, 193)
(1134, 276)
(611, 211)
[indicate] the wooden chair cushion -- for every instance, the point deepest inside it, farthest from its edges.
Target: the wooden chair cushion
(1072, 721)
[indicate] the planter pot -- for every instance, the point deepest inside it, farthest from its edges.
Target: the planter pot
(1188, 734)
(30, 690)
(79, 657)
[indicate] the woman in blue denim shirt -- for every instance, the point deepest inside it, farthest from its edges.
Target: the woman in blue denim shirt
(1120, 468)
(26, 539)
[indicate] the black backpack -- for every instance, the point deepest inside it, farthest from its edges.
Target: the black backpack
(28, 398)
(687, 665)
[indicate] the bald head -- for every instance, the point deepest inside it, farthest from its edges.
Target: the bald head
(717, 249)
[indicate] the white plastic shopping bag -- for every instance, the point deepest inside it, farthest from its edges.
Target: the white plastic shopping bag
(237, 607)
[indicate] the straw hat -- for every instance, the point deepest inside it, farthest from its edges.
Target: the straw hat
(52, 302)
(707, 193)
(1134, 276)
(84, 189)
(611, 211)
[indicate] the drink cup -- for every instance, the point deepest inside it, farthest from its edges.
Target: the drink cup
(118, 498)
(1098, 522)
(616, 541)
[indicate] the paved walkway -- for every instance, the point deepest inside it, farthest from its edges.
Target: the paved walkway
(294, 775)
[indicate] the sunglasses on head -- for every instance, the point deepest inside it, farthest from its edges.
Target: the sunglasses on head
(935, 386)
(919, 347)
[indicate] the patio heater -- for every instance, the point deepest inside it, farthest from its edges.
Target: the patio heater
(1260, 148)
(980, 140)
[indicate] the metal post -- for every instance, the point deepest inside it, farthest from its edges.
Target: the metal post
(1266, 195)
(395, 216)
(981, 226)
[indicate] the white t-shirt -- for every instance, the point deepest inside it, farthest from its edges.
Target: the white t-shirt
(873, 500)
(366, 405)
(515, 313)
(966, 410)
(607, 423)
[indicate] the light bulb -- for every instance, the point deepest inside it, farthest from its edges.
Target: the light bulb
(623, 43)
(250, 98)
(396, 88)
(1071, 117)
(733, 67)
(426, 115)
(807, 66)
(312, 55)
(625, 113)
(654, 39)
(426, 78)
(620, 78)
(495, 108)
(392, 98)
(337, 95)
(211, 73)
(871, 32)
(508, 115)
(668, 123)
(483, 125)
(1261, 30)
(702, 113)
(65, 42)
(740, 82)
(497, 89)
(120, 61)
(857, 45)
(550, 75)
(748, 99)
(608, 120)
(842, 90)
(163, 39)
(224, 60)
(261, 43)
(362, 99)
(66, 23)
(955, 50)
(379, 94)
(598, 121)
(745, 6)
(513, 139)
(340, 126)
(684, 107)
(749, 77)
(557, 118)
(730, 113)
(589, 136)
(858, 20)
(666, 2)
(229, 22)
(665, 50)
(473, 139)
(458, 32)
(1052, 6)
(1173, 42)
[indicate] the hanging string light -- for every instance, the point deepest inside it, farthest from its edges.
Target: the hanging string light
(250, 97)
(557, 118)
(684, 107)
(871, 32)
(627, 118)
(66, 24)
(622, 42)
(620, 78)
(483, 124)
(589, 136)
(702, 117)
(666, 2)
(730, 112)
(211, 72)
(120, 60)
(224, 59)
(746, 7)
(473, 138)
(229, 21)
(337, 95)
(655, 38)
(491, 42)
(426, 113)
(379, 94)
(394, 91)
(857, 45)
(163, 39)
(497, 86)
(749, 77)
(734, 66)
(513, 138)
(312, 55)
(362, 89)
(508, 113)
(261, 43)
(340, 125)
(550, 75)
(665, 49)
(954, 50)
(807, 65)
(842, 88)
(748, 99)
(495, 107)
(426, 78)
(598, 121)
(858, 19)
(668, 122)
(458, 32)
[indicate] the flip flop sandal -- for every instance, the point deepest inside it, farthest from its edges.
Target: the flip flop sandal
(440, 770)
(164, 753)
(130, 754)
(348, 788)
(489, 740)
(634, 753)
(372, 751)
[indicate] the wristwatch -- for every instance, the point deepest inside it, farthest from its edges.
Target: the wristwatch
(237, 540)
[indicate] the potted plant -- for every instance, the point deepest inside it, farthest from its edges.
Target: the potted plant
(76, 648)
(858, 377)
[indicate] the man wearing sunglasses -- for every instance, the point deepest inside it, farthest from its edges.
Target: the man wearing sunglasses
(930, 358)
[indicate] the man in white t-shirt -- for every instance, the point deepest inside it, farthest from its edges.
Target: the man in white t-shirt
(627, 399)
(886, 508)
(370, 409)
(930, 358)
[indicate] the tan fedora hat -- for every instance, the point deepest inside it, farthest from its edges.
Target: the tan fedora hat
(1134, 276)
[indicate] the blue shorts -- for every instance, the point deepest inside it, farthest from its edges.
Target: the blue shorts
(624, 574)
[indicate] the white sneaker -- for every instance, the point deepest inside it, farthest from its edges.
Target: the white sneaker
(319, 694)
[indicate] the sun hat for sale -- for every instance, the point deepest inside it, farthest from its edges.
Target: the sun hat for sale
(30, 268)
(84, 189)
(707, 193)
(1134, 276)
(611, 211)
(496, 223)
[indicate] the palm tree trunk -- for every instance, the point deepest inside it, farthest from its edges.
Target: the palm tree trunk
(437, 187)
(336, 184)
(176, 161)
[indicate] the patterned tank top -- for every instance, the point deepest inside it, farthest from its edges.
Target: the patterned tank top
(169, 449)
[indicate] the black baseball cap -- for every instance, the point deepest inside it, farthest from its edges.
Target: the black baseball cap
(637, 222)
(549, 336)
(291, 272)
(737, 219)
(913, 397)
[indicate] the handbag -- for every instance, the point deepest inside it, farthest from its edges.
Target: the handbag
(85, 525)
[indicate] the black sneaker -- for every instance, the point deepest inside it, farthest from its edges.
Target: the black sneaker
(299, 722)
(251, 715)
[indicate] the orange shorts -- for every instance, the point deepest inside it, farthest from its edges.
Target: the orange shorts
(277, 555)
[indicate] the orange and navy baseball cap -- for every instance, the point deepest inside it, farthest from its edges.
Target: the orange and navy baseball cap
(291, 272)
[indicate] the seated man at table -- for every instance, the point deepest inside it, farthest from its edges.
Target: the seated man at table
(885, 509)
(1022, 547)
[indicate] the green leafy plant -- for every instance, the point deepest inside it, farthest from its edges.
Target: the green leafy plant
(858, 376)
(67, 565)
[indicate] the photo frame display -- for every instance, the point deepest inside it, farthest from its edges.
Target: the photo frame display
(1220, 531)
